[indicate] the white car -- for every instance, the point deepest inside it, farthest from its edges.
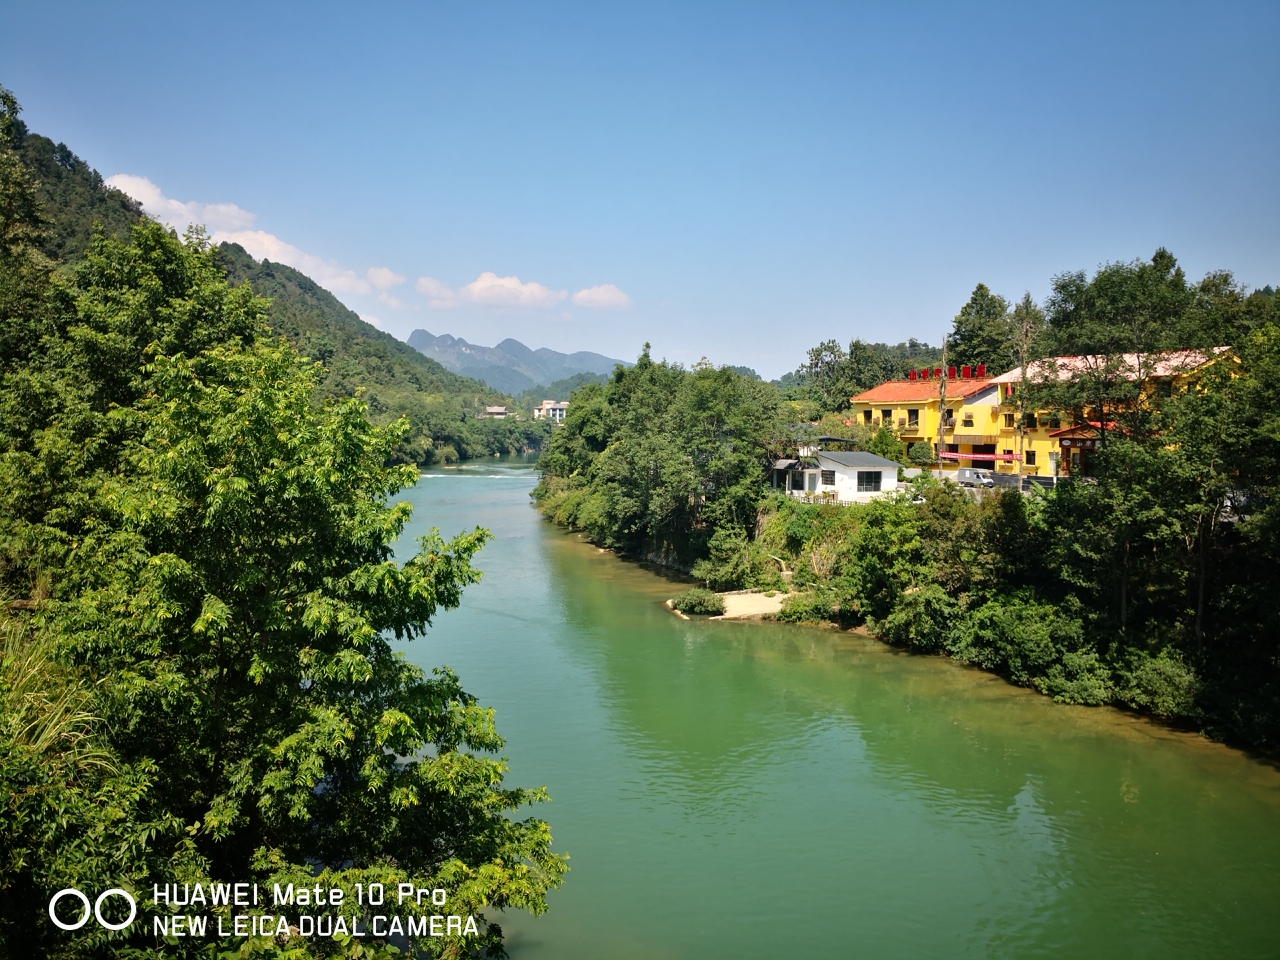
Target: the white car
(972, 477)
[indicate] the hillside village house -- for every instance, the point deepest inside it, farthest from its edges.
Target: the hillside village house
(853, 477)
(1050, 446)
(550, 410)
(964, 426)
(493, 413)
(979, 423)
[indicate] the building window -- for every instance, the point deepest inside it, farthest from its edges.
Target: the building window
(866, 416)
(1029, 458)
(886, 417)
(868, 481)
(913, 418)
(1008, 420)
(828, 478)
(968, 419)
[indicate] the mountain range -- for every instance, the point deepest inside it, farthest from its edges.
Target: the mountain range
(510, 366)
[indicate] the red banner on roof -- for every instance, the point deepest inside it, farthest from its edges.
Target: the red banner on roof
(985, 457)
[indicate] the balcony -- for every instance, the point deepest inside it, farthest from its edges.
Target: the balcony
(908, 426)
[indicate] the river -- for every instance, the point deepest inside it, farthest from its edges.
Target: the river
(743, 790)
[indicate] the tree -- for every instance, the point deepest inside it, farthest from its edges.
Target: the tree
(661, 459)
(921, 454)
(982, 332)
(1027, 326)
(209, 554)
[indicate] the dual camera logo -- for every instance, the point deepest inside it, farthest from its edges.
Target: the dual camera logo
(96, 909)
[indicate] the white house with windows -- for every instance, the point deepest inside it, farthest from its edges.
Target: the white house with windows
(855, 477)
(553, 410)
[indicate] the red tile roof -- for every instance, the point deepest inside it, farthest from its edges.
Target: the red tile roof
(1130, 366)
(907, 391)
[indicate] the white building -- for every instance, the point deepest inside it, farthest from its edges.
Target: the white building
(836, 475)
(550, 410)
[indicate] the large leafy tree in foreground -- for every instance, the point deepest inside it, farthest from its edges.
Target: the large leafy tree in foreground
(203, 557)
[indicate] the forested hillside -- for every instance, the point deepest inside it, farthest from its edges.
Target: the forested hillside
(71, 195)
(396, 380)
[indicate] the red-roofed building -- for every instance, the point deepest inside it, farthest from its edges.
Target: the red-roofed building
(963, 428)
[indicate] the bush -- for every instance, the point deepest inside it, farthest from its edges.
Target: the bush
(920, 454)
(1163, 685)
(734, 562)
(920, 619)
(1036, 645)
(699, 601)
(814, 607)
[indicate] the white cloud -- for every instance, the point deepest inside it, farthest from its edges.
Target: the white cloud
(383, 278)
(373, 320)
(267, 246)
(389, 300)
(232, 224)
(489, 290)
(437, 293)
(496, 291)
(175, 213)
(604, 296)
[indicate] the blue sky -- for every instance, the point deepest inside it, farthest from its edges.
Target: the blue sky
(732, 180)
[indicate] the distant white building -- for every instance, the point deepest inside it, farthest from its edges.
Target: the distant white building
(836, 475)
(493, 413)
(550, 410)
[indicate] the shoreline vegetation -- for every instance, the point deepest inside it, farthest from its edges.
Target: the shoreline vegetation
(198, 603)
(1148, 584)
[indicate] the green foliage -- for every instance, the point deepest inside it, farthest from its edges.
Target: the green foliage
(921, 454)
(734, 560)
(832, 374)
(1163, 684)
(698, 600)
(982, 332)
(661, 458)
(1033, 644)
(208, 550)
(814, 606)
(67, 190)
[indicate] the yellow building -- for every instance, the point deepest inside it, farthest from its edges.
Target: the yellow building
(972, 420)
(956, 412)
(1053, 447)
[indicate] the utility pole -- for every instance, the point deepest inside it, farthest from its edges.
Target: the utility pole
(942, 405)
(1025, 331)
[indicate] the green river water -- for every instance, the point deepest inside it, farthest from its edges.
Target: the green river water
(741, 790)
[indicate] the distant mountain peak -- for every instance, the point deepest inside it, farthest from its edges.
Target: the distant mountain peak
(510, 366)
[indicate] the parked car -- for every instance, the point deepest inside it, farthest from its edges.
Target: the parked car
(972, 477)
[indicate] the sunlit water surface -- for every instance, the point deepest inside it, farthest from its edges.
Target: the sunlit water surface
(738, 790)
